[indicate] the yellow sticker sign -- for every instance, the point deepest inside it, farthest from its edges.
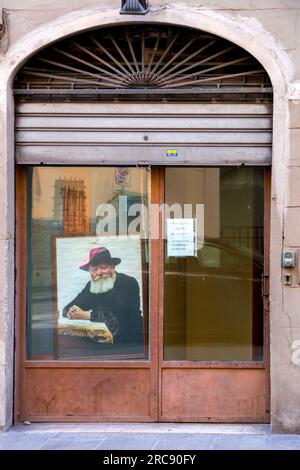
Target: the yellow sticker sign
(171, 153)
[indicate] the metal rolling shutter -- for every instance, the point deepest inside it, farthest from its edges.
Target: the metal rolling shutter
(158, 134)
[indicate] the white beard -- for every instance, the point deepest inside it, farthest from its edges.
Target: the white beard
(103, 285)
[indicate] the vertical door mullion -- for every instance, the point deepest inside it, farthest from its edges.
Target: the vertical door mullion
(156, 292)
(266, 289)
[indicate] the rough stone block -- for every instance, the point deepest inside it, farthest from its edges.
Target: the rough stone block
(294, 55)
(6, 312)
(6, 214)
(3, 264)
(292, 227)
(291, 307)
(68, 444)
(2, 352)
(284, 442)
(278, 4)
(6, 269)
(36, 13)
(234, 442)
(280, 23)
(281, 346)
(24, 441)
(294, 109)
(293, 189)
(126, 442)
(298, 26)
(7, 196)
(213, 4)
(3, 420)
(285, 384)
(59, 5)
(176, 441)
(294, 159)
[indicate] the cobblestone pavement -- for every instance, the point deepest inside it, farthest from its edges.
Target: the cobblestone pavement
(145, 436)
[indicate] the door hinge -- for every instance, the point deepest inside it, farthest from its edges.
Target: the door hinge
(265, 285)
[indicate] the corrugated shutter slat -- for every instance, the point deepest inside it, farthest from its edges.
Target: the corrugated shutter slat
(202, 134)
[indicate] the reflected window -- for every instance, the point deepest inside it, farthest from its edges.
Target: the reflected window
(88, 270)
(213, 303)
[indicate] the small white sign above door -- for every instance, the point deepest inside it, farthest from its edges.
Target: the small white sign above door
(181, 237)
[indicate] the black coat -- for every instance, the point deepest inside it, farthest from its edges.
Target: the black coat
(119, 308)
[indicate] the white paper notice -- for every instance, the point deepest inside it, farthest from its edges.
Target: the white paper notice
(181, 237)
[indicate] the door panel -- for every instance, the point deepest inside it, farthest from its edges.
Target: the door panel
(117, 394)
(225, 395)
(67, 373)
(214, 358)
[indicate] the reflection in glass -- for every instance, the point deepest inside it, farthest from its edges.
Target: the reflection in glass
(213, 303)
(87, 284)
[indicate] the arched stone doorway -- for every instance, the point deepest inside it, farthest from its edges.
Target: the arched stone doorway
(146, 56)
(215, 23)
(103, 98)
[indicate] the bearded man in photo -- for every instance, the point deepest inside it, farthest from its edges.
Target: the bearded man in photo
(109, 297)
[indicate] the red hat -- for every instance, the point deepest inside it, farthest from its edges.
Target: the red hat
(100, 255)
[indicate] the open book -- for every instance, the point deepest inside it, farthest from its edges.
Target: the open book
(95, 330)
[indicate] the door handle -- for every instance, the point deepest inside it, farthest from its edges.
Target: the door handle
(265, 285)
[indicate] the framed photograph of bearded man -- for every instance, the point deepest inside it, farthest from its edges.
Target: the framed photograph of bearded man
(101, 297)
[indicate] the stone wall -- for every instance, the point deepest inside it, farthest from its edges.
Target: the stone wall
(280, 18)
(270, 30)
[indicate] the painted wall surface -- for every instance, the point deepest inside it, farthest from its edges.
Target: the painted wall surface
(270, 30)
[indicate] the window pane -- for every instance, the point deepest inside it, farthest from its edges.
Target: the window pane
(213, 303)
(88, 263)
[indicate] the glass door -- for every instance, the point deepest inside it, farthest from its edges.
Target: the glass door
(142, 294)
(84, 277)
(213, 364)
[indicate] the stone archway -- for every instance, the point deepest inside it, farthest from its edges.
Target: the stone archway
(253, 39)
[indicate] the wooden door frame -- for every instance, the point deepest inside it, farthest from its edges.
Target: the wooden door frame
(242, 365)
(266, 285)
(21, 361)
(156, 300)
(21, 282)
